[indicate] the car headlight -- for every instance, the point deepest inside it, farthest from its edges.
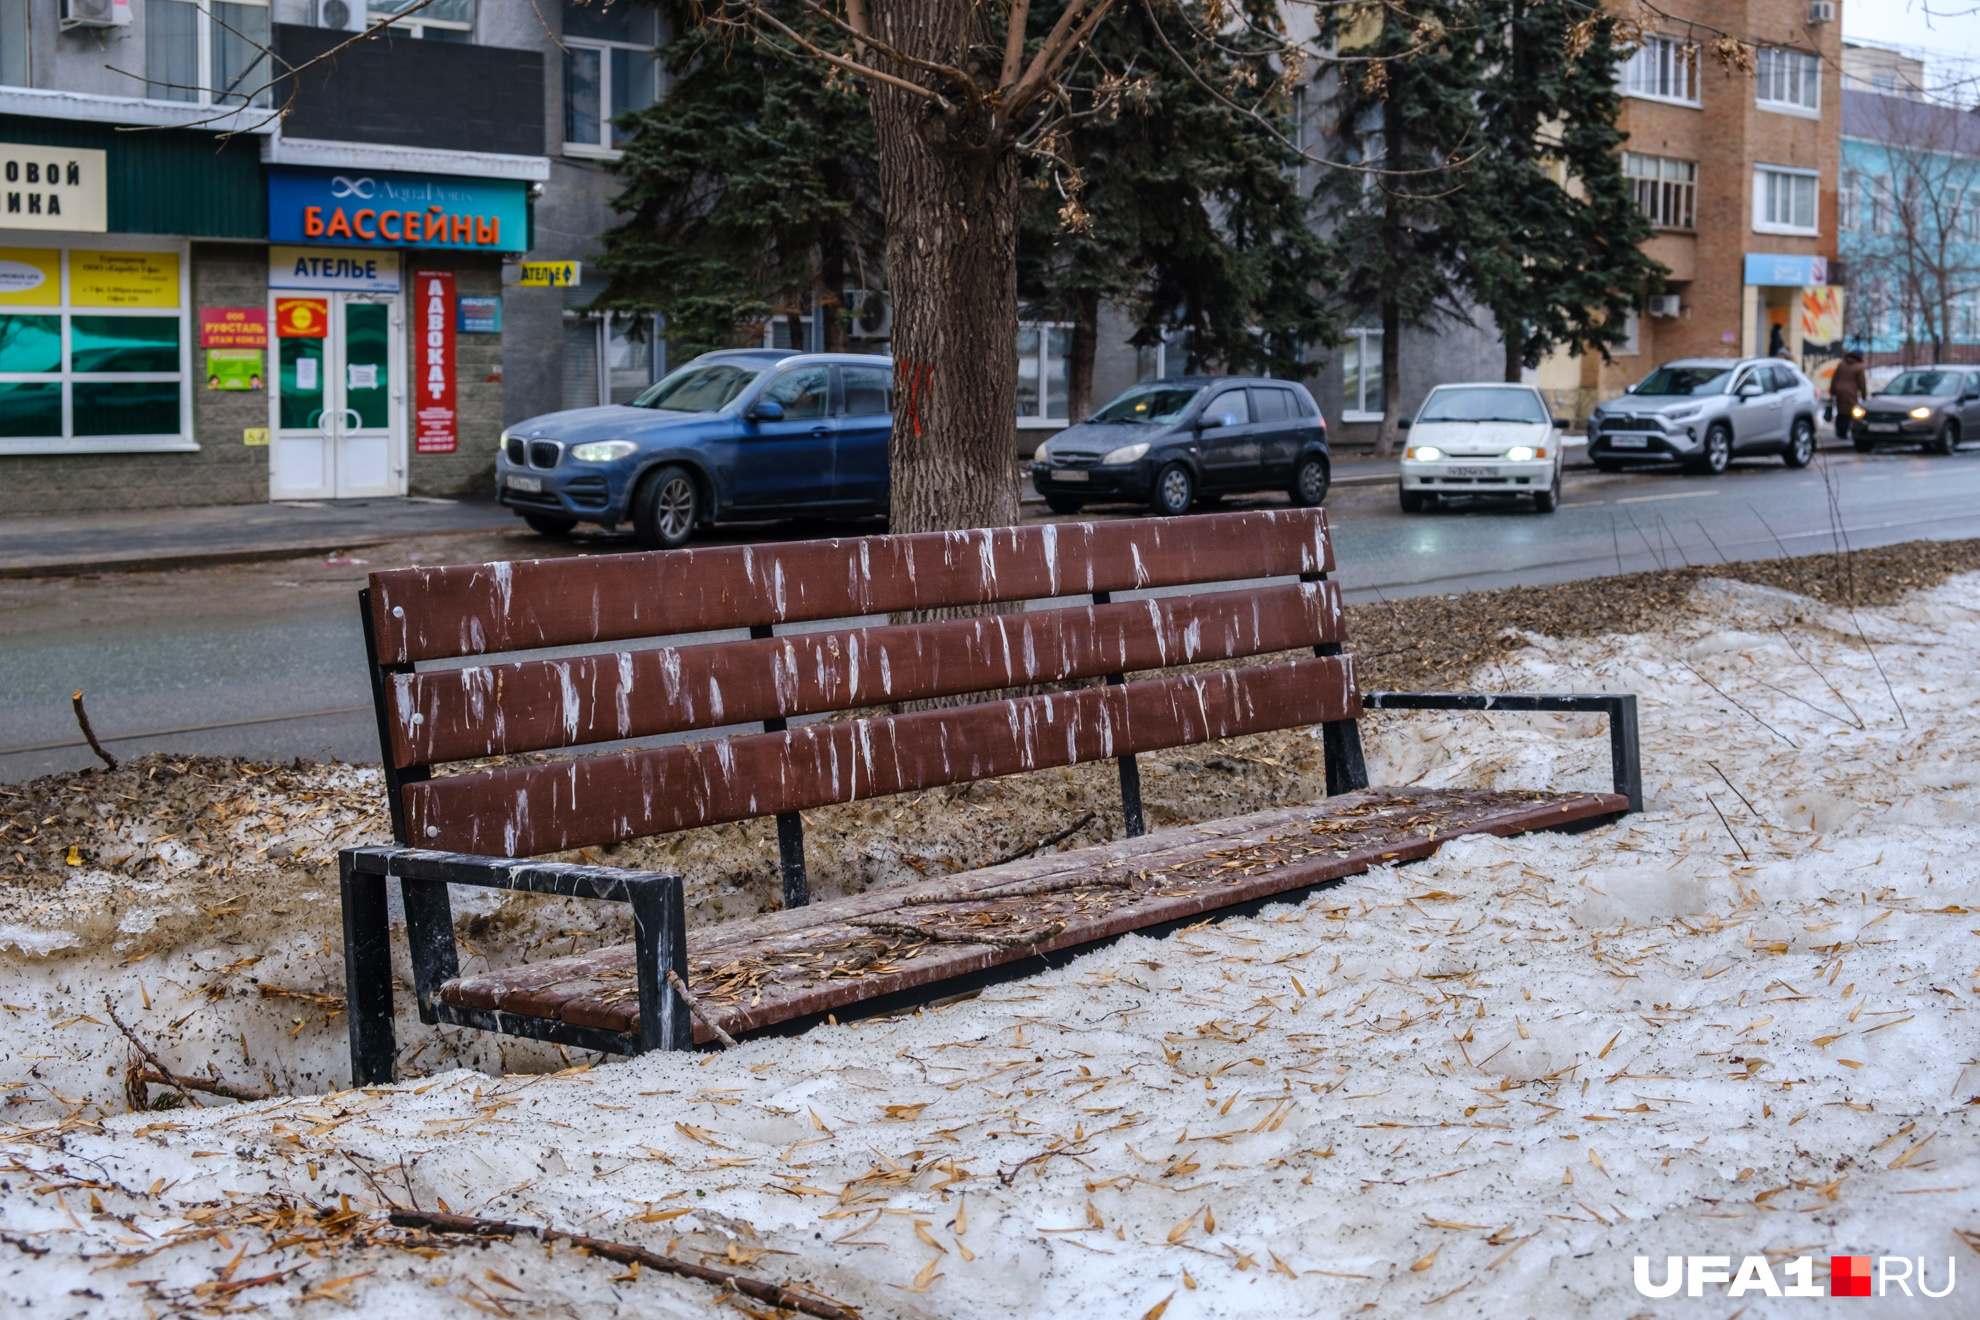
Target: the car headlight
(1921, 413)
(602, 451)
(1042, 454)
(502, 445)
(1683, 414)
(1519, 454)
(1424, 453)
(1856, 411)
(1126, 454)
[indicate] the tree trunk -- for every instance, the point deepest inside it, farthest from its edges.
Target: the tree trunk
(1085, 342)
(1392, 259)
(1515, 356)
(949, 185)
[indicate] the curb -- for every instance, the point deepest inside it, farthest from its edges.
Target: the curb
(215, 558)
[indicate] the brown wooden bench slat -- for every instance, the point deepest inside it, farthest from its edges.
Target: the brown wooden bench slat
(527, 811)
(488, 710)
(1177, 874)
(435, 613)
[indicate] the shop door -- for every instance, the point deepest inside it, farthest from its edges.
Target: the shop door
(339, 429)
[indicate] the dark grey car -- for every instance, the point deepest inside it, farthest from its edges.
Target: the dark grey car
(1171, 442)
(1930, 406)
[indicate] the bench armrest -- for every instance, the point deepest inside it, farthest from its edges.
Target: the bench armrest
(659, 913)
(1625, 753)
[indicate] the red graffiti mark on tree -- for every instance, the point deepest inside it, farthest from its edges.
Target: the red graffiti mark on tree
(912, 383)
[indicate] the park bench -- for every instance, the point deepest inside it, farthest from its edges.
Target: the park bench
(884, 949)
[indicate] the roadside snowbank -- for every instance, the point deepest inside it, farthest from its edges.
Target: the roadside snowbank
(1735, 1024)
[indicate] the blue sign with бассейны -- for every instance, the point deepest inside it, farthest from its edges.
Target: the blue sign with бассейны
(382, 208)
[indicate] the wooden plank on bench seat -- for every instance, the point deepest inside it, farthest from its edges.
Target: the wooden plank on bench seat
(786, 966)
(455, 715)
(530, 810)
(480, 609)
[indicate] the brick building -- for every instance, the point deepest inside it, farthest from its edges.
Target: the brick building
(1737, 169)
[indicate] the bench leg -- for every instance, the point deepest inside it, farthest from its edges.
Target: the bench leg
(1340, 742)
(367, 975)
(659, 911)
(430, 938)
(790, 859)
(1131, 795)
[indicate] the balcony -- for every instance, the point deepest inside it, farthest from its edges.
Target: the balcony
(394, 90)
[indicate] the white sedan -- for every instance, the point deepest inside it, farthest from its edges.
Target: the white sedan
(1482, 440)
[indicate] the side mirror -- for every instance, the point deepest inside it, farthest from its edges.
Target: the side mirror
(766, 410)
(1215, 420)
(1403, 422)
(1749, 389)
(1562, 423)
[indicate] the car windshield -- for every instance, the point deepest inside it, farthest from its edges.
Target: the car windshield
(703, 389)
(1482, 404)
(1156, 405)
(1923, 382)
(1686, 380)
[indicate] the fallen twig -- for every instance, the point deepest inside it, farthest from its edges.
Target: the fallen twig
(82, 718)
(166, 1077)
(625, 1254)
(694, 1007)
(1729, 829)
(946, 937)
(1751, 809)
(1735, 701)
(1008, 1178)
(1020, 891)
(1042, 844)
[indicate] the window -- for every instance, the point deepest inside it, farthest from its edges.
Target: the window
(1783, 201)
(1789, 80)
(1361, 377)
(1632, 344)
(1272, 405)
(1042, 349)
(1666, 189)
(803, 393)
(14, 43)
(1882, 203)
(207, 54)
(1848, 198)
(869, 391)
(1228, 409)
(609, 71)
(93, 351)
(1663, 69)
(611, 358)
(1166, 360)
(443, 20)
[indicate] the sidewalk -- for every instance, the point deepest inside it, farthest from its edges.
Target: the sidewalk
(58, 544)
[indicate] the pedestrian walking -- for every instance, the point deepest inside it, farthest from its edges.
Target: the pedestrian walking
(1847, 387)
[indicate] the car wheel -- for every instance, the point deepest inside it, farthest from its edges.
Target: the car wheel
(666, 510)
(1948, 440)
(1800, 451)
(1718, 450)
(1064, 504)
(1175, 491)
(1413, 501)
(549, 524)
(1310, 481)
(1546, 501)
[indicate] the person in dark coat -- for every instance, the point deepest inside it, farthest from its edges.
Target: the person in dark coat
(1847, 387)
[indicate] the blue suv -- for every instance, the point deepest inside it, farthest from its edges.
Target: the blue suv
(741, 434)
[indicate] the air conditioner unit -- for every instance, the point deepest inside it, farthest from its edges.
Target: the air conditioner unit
(872, 313)
(95, 13)
(1822, 11)
(1666, 304)
(336, 15)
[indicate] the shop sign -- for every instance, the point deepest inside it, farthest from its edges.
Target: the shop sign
(123, 279)
(233, 368)
(551, 274)
(435, 422)
(329, 268)
(53, 188)
(233, 327)
(30, 277)
(479, 315)
(302, 318)
(1777, 269)
(382, 208)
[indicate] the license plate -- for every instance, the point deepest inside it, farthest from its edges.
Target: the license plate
(534, 485)
(1471, 472)
(1882, 430)
(1629, 442)
(1070, 474)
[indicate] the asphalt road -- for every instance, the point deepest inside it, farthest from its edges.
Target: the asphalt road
(265, 660)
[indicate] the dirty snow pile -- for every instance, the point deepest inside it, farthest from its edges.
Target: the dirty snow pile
(1739, 1023)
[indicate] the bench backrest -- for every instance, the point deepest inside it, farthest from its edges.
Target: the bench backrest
(597, 691)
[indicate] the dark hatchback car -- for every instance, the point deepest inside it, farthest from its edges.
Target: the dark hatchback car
(1930, 406)
(1170, 443)
(740, 435)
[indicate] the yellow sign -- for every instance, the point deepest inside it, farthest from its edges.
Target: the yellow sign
(551, 274)
(30, 277)
(123, 279)
(254, 435)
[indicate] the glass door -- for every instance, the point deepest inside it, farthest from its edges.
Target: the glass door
(339, 430)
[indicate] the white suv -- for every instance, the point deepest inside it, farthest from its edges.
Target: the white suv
(1484, 439)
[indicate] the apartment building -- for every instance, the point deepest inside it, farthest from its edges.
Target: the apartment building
(1737, 169)
(222, 282)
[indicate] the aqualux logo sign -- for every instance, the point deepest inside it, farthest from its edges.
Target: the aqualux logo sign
(1849, 1276)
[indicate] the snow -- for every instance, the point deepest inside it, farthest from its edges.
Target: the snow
(1482, 1084)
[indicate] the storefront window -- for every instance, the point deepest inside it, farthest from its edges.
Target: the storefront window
(93, 348)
